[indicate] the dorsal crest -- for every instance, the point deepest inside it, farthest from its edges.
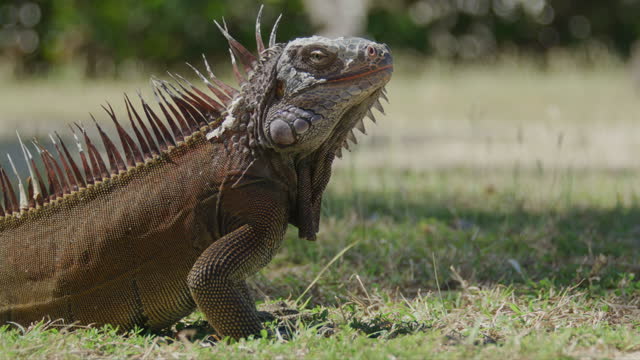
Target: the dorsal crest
(183, 110)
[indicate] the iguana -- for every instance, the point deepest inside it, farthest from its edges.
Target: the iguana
(198, 202)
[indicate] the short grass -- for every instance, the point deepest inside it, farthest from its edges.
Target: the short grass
(493, 214)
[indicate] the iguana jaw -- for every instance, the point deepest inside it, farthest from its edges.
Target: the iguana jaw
(353, 118)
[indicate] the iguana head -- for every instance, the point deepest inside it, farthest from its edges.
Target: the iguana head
(323, 88)
(303, 95)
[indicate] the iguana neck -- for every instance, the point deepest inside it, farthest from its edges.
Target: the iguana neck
(314, 171)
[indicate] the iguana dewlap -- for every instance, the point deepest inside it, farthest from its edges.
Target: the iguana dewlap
(197, 199)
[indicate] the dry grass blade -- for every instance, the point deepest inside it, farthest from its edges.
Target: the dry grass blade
(325, 268)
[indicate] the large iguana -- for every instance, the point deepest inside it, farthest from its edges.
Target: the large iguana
(199, 200)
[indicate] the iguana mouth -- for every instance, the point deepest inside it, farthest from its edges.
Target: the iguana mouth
(388, 68)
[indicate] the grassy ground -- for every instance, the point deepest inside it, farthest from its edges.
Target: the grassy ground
(492, 214)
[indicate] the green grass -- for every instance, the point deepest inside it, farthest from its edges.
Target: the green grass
(493, 214)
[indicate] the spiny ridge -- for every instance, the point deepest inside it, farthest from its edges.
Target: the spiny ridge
(185, 109)
(247, 58)
(67, 168)
(183, 126)
(259, 43)
(97, 164)
(131, 151)
(10, 199)
(236, 72)
(153, 147)
(220, 94)
(142, 140)
(55, 188)
(232, 92)
(195, 103)
(24, 203)
(85, 164)
(272, 37)
(201, 98)
(65, 188)
(38, 177)
(76, 172)
(177, 132)
(159, 130)
(36, 189)
(115, 160)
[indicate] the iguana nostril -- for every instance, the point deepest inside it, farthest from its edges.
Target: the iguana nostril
(371, 51)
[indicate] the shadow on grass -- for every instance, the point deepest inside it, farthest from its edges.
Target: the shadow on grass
(578, 230)
(427, 239)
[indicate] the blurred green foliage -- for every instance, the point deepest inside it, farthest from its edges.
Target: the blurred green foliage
(113, 37)
(478, 28)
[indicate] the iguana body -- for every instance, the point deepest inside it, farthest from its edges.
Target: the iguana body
(195, 208)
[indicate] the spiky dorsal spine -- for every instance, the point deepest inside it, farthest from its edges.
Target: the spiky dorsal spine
(185, 108)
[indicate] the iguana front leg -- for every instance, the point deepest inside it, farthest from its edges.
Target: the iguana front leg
(263, 316)
(217, 278)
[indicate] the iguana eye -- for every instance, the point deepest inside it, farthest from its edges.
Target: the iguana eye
(317, 56)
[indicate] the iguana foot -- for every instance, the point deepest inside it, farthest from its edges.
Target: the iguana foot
(278, 311)
(283, 317)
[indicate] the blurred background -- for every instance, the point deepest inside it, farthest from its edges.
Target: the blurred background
(509, 151)
(113, 38)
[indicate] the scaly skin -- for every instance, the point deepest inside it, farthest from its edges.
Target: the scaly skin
(185, 229)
